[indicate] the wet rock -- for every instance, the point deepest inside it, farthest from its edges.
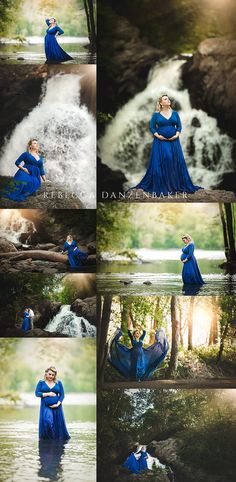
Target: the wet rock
(203, 195)
(213, 61)
(48, 310)
(86, 308)
(6, 246)
(109, 180)
(195, 122)
(45, 246)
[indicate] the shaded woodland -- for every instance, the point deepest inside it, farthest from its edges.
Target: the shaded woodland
(201, 332)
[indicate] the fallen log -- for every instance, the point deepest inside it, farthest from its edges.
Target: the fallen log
(35, 254)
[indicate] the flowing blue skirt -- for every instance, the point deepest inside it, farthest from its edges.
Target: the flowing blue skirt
(143, 463)
(77, 258)
(132, 464)
(137, 363)
(24, 184)
(191, 273)
(26, 324)
(54, 52)
(167, 171)
(52, 423)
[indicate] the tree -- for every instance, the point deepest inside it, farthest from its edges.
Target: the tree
(175, 338)
(103, 325)
(190, 323)
(90, 15)
(227, 216)
(214, 328)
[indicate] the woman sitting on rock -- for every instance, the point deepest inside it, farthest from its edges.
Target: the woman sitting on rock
(76, 257)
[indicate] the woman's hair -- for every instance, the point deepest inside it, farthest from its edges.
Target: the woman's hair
(69, 236)
(136, 331)
(187, 236)
(159, 106)
(29, 145)
(51, 369)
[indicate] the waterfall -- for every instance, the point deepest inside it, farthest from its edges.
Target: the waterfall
(68, 323)
(13, 225)
(127, 140)
(66, 132)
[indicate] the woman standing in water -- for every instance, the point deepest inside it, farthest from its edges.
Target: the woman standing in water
(52, 423)
(190, 273)
(27, 179)
(167, 172)
(76, 257)
(53, 51)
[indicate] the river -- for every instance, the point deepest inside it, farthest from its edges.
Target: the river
(23, 458)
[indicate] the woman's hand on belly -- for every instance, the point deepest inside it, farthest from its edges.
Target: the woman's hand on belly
(160, 137)
(49, 394)
(55, 405)
(173, 138)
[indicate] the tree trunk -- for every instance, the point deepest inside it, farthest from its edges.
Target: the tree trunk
(230, 231)
(175, 338)
(214, 329)
(222, 341)
(89, 10)
(226, 244)
(36, 254)
(190, 323)
(102, 346)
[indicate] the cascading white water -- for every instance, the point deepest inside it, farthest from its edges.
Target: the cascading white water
(127, 140)
(67, 134)
(68, 323)
(13, 225)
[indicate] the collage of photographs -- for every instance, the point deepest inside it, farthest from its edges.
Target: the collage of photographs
(117, 241)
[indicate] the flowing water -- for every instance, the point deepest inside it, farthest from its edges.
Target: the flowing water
(32, 51)
(68, 323)
(13, 225)
(127, 141)
(159, 272)
(24, 458)
(66, 131)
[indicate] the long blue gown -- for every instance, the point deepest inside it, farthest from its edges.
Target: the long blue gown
(167, 171)
(135, 466)
(24, 185)
(52, 423)
(26, 321)
(137, 363)
(54, 52)
(190, 273)
(143, 460)
(76, 257)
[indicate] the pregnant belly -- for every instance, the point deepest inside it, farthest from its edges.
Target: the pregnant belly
(167, 131)
(183, 256)
(50, 400)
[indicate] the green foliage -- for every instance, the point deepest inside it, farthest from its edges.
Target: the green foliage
(113, 226)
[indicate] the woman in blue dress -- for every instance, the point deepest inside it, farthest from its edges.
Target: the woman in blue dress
(137, 461)
(26, 320)
(54, 53)
(76, 257)
(190, 274)
(52, 423)
(27, 179)
(137, 363)
(167, 172)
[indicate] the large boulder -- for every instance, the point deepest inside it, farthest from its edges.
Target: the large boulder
(48, 310)
(6, 246)
(210, 77)
(86, 308)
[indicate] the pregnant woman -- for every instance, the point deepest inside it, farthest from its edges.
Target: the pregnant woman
(51, 420)
(190, 273)
(54, 53)
(137, 363)
(27, 179)
(26, 320)
(141, 460)
(76, 257)
(167, 172)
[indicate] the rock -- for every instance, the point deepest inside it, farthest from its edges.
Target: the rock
(86, 308)
(210, 76)
(91, 247)
(91, 260)
(48, 310)
(6, 246)
(36, 332)
(109, 180)
(46, 246)
(20, 58)
(203, 195)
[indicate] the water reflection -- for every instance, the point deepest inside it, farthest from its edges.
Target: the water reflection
(191, 290)
(50, 455)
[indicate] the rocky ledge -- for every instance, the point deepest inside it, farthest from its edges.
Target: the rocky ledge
(201, 196)
(49, 196)
(86, 308)
(210, 76)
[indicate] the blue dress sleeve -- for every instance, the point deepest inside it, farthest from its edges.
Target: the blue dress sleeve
(20, 159)
(143, 335)
(190, 251)
(178, 123)
(38, 390)
(152, 124)
(47, 22)
(42, 172)
(59, 30)
(62, 393)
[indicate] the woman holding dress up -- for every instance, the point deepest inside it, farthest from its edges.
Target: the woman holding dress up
(52, 423)
(53, 51)
(190, 273)
(26, 320)
(76, 257)
(137, 363)
(27, 179)
(167, 172)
